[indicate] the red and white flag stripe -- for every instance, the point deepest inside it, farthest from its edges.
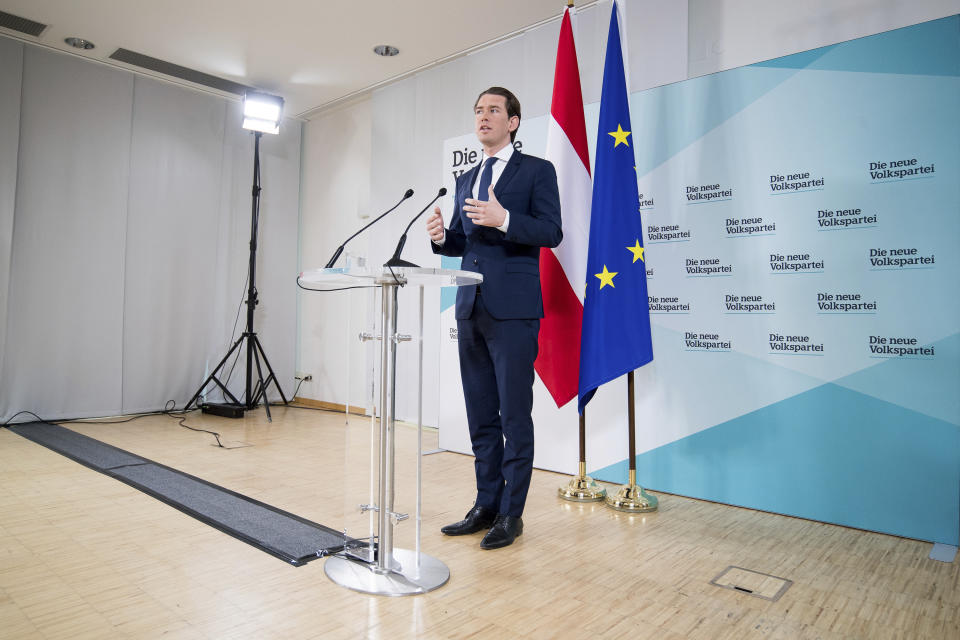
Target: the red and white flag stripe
(562, 270)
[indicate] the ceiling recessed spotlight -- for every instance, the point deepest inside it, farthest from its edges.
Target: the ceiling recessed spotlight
(385, 50)
(79, 43)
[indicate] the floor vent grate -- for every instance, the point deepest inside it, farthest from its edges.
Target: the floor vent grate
(754, 583)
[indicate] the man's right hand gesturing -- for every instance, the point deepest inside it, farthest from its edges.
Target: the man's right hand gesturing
(435, 226)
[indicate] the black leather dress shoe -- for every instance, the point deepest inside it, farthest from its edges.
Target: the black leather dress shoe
(504, 531)
(477, 519)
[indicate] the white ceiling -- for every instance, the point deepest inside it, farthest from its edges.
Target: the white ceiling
(311, 53)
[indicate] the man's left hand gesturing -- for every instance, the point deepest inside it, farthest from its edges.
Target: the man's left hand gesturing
(487, 214)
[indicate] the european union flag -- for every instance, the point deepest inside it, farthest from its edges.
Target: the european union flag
(616, 317)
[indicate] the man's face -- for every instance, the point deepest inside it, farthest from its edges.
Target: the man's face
(493, 126)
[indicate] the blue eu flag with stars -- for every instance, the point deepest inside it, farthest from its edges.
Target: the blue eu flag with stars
(616, 316)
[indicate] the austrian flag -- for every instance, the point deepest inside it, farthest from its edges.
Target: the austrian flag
(562, 268)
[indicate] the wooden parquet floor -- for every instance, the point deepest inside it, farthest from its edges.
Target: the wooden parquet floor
(85, 556)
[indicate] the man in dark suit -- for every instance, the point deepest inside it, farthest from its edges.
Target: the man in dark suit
(505, 209)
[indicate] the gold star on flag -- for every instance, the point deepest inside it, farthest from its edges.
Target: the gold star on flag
(637, 251)
(620, 136)
(606, 278)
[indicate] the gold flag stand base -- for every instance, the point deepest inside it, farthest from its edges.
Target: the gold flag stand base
(631, 498)
(582, 488)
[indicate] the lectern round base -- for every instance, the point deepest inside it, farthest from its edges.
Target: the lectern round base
(405, 580)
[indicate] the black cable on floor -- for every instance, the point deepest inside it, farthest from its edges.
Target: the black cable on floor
(10, 421)
(182, 422)
(168, 410)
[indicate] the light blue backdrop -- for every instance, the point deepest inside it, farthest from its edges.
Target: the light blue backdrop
(853, 431)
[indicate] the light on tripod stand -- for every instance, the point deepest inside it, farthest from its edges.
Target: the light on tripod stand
(262, 112)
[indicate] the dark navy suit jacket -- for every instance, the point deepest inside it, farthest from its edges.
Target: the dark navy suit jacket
(510, 263)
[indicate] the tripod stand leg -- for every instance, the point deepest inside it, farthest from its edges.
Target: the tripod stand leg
(226, 392)
(262, 388)
(272, 376)
(213, 376)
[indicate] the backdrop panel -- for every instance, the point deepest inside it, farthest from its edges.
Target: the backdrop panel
(65, 314)
(801, 227)
(10, 77)
(173, 214)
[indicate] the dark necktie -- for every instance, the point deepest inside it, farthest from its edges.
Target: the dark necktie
(486, 177)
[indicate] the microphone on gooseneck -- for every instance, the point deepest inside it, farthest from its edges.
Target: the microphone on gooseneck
(395, 260)
(336, 254)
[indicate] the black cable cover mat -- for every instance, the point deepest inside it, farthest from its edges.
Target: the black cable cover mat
(282, 534)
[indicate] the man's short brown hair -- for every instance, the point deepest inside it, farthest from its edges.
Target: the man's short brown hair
(513, 105)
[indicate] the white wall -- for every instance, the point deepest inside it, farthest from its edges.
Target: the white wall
(402, 127)
(335, 193)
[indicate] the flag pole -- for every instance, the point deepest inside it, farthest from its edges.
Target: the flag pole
(573, 167)
(582, 488)
(631, 498)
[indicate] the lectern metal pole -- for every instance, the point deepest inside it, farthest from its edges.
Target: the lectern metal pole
(373, 431)
(388, 356)
(419, 427)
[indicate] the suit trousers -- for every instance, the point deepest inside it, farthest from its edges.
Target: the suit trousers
(496, 367)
